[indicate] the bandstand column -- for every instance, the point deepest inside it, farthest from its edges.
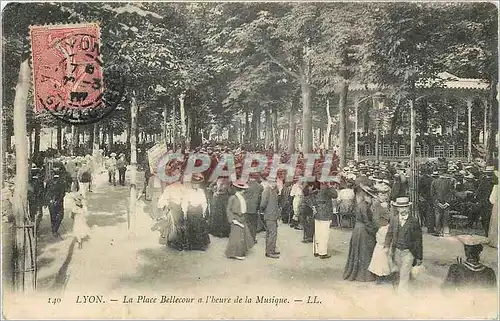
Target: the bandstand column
(469, 129)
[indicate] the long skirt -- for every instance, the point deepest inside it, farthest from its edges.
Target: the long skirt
(240, 240)
(218, 224)
(174, 229)
(308, 223)
(196, 229)
(287, 209)
(360, 255)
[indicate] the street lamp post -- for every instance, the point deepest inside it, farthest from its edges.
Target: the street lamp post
(378, 103)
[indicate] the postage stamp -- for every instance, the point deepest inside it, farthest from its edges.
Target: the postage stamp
(68, 71)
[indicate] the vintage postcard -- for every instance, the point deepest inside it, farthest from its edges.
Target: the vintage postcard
(249, 160)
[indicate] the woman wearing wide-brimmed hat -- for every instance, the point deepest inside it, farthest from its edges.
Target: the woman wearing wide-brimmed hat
(240, 237)
(363, 237)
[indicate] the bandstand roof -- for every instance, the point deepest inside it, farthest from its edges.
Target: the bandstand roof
(453, 82)
(443, 80)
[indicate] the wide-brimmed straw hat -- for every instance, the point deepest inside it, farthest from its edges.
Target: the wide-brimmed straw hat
(240, 184)
(472, 239)
(368, 189)
(401, 202)
(197, 178)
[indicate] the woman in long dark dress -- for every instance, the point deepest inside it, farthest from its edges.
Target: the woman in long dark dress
(306, 213)
(240, 238)
(194, 207)
(218, 224)
(363, 238)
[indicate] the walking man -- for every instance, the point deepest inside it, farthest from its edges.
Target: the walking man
(270, 209)
(322, 219)
(121, 164)
(111, 168)
(403, 241)
(252, 197)
(56, 190)
(35, 195)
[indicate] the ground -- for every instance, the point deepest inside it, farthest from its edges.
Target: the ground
(117, 261)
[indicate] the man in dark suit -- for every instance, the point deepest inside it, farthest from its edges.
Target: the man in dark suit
(442, 193)
(252, 197)
(404, 240)
(270, 209)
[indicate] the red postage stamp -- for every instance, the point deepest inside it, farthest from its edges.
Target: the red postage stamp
(67, 70)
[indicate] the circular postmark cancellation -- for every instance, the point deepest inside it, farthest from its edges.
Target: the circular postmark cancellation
(68, 74)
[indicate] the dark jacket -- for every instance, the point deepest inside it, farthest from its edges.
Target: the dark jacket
(252, 196)
(442, 190)
(412, 237)
(324, 204)
(467, 275)
(269, 203)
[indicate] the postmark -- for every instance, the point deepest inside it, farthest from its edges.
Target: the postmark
(68, 73)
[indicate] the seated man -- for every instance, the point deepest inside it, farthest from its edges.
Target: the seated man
(470, 273)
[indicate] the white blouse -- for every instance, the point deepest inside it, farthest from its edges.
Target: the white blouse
(194, 198)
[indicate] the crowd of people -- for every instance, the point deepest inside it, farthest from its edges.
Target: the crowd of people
(372, 198)
(386, 242)
(61, 184)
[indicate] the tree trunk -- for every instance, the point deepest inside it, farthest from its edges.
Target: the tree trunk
(366, 120)
(90, 143)
(183, 116)
(9, 132)
(292, 126)
(306, 116)
(247, 127)
(36, 144)
(30, 144)
(174, 127)
(276, 133)
(190, 127)
(25, 243)
(110, 140)
(59, 137)
(165, 121)
(268, 123)
(342, 123)
(395, 120)
(328, 126)
(133, 164)
(493, 119)
(74, 137)
(95, 139)
(255, 126)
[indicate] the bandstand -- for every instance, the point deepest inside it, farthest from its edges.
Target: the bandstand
(445, 85)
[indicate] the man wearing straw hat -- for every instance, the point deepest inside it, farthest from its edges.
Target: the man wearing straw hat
(404, 241)
(471, 272)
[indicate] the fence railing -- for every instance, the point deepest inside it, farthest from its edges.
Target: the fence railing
(403, 150)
